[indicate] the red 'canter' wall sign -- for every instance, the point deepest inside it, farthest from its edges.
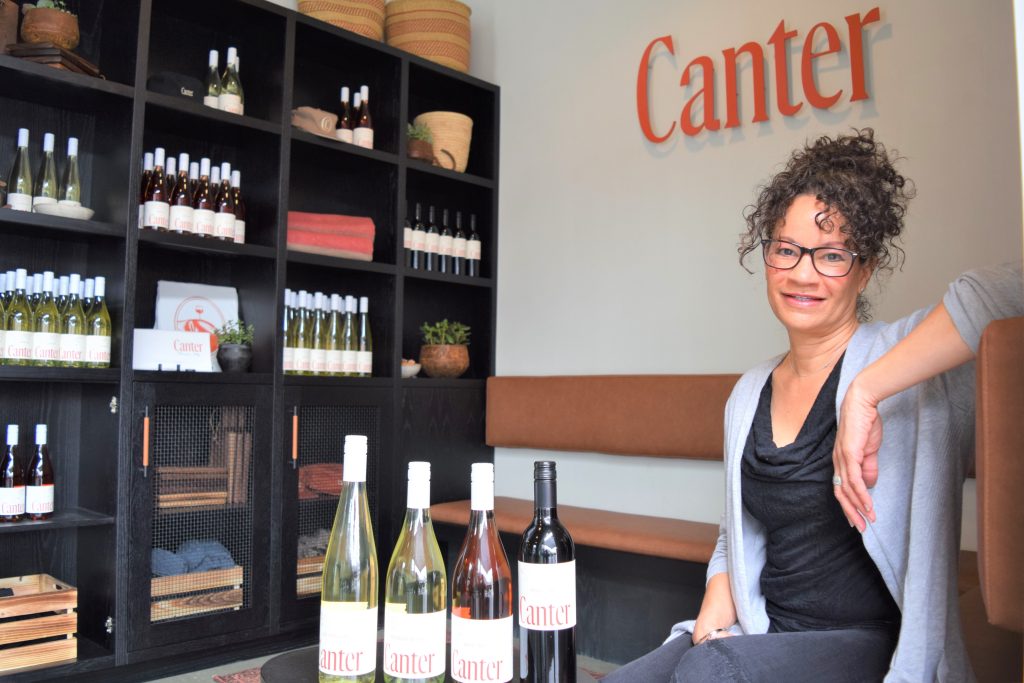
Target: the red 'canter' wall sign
(779, 40)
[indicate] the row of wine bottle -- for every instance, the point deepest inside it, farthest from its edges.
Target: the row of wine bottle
(437, 248)
(416, 593)
(327, 334)
(355, 125)
(24, 195)
(191, 198)
(225, 91)
(54, 322)
(26, 491)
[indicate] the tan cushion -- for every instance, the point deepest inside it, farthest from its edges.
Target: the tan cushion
(671, 416)
(641, 534)
(995, 653)
(1000, 471)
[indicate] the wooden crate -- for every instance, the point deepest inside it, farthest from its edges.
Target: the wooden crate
(309, 573)
(186, 595)
(37, 623)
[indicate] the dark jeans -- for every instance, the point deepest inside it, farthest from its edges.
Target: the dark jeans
(846, 656)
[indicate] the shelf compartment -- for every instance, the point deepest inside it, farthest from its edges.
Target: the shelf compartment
(431, 301)
(196, 108)
(40, 225)
(189, 595)
(463, 280)
(10, 373)
(50, 86)
(302, 136)
(62, 519)
(253, 151)
(324, 180)
(324, 62)
(38, 622)
(192, 243)
(183, 32)
(299, 257)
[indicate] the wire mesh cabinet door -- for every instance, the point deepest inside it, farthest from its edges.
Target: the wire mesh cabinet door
(200, 524)
(316, 423)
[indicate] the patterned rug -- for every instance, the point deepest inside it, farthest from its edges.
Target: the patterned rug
(247, 676)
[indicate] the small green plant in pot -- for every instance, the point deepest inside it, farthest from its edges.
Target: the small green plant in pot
(234, 346)
(421, 142)
(445, 350)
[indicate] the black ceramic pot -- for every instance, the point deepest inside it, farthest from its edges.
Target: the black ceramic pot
(234, 357)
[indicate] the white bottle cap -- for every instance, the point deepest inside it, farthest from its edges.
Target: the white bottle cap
(318, 300)
(48, 141)
(238, 64)
(356, 101)
(326, 305)
(482, 486)
(23, 137)
(354, 469)
(418, 495)
(12, 435)
(336, 301)
(40, 435)
(287, 294)
(11, 279)
(215, 176)
(90, 288)
(193, 170)
(21, 278)
(344, 94)
(147, 161)
(3, 282)
(37, 283)
(225, 171)
(159, 156)
(172, 166)
(232, 53)
(72, 147)
(236, 180)
(419, 470)
(47, 281)
(365, 92)
(364, 304)
(74, 284)
(65, 285)
(101, 286)
(204, 167)
(183, 161)
(350, 304)
(81, 290)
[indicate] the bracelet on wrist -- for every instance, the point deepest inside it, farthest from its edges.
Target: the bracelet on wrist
(710, 635)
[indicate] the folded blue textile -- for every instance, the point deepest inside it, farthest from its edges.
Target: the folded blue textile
(166, 563)
(204, 556)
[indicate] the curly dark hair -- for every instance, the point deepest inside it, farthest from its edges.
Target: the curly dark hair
(853, 175)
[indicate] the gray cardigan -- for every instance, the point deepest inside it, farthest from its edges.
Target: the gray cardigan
(927, 447)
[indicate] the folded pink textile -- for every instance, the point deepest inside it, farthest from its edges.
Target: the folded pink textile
(342, 246)
(354, 226)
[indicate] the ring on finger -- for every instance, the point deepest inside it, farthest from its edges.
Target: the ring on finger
(837, 480)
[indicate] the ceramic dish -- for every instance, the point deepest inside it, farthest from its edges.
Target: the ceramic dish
(410, 370)
(64, 210)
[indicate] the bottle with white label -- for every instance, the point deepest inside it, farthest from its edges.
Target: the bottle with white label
(348, 599)
(288, 353)
(364, 352)
(147, 173)
(12, 479)
(35, 291)
(224, 218)
(416, 593)
(231, 98)
(157, 207)
(417, 259)
(97, 343)
(482, 592)
(182, 217)
(407, 241)
(19, 181)
(547, 589)
(45, 189)
(211, 96)
(75, 326)
(349, 340)
(321, 321)
(71, 182)
(458, 247)
(203, 202)
(303, 335)
(432, 243)
(46, 327)
(345, 117)
(88, 294)
(336, 324)
(39, 481)
(236, 196)
(473, 249)
(362, 133)
(445, 245)
(64, 288)
(171, 175)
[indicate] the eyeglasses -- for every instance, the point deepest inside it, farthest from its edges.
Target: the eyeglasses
(828, 261)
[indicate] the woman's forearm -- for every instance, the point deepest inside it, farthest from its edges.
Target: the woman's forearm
(717, 609)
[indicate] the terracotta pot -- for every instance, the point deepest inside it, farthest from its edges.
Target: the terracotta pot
(234, 357)
(47, 25)
(421, 149)
(444, 360)
(8, 24)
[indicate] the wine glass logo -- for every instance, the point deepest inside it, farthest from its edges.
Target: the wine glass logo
(198, 314)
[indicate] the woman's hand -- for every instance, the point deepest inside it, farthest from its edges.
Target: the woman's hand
(855, 456)
(716, 611)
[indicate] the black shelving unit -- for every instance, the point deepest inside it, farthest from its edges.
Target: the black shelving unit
(109, 515)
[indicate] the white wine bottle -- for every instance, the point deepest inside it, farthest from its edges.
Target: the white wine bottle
(335, 360)
(303, 335)
(231, 97)
(18, 336)
(211, 96)
(288, 353)
(416, 593)
(318, 354)
(46, 327)
(63, 288)
(45, 189)
(364, 351)
(74, 325)
(71, 182)
(97, 343)
(19, 182)
(349, 341)
(348, 600)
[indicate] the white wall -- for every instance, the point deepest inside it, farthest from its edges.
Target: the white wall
(618, 256)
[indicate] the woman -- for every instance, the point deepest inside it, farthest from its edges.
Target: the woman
(817, 579)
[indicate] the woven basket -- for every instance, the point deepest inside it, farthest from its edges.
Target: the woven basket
(365, 17)
(437, 30)
(452, 134)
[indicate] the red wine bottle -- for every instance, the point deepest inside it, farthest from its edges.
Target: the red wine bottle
(12, 480)
(407, 241)
(547, 589)
(419, 241)
(458, 247)
(445, 245)
(39, 480)
(157, 207)
(482, 592)
(473, 249)
(433, 242)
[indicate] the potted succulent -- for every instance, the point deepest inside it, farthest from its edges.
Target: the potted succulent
(445, 351)
(50, 21)
(421, 142)
(234, 346)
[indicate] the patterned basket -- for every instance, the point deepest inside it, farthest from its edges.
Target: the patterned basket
(365, 17)
(437, 30)
(452, 134)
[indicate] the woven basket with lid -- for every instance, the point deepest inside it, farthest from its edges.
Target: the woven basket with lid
(437, 30)
(365, 17)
